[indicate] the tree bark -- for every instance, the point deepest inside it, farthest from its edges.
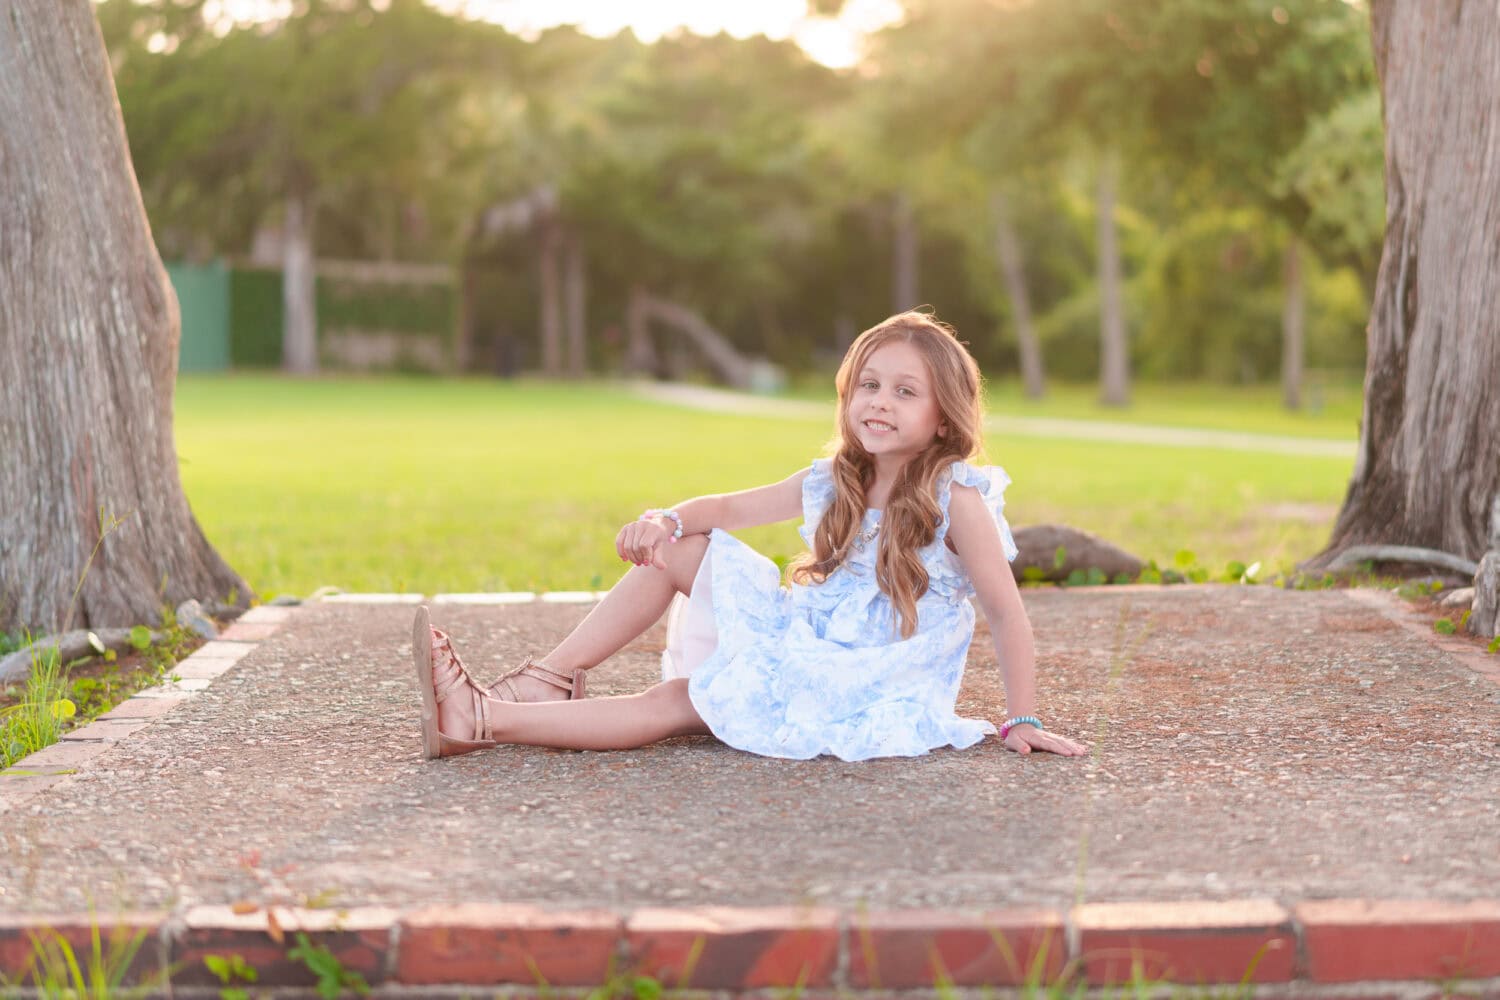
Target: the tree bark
(1013, 272)
(463, 350)
(89, 334)
(1427, 467)
(1114, 362)
(550, 290)
(640, 354)
(299, 322)
(904, 255)
(575, 301)
(1293, 316)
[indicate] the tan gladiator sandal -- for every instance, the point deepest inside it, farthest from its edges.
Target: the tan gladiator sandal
(504, 689)
(427, 643)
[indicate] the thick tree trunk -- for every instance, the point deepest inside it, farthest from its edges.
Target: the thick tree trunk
(299, 321)
(1428, 466)
(1114, 363)
(550, 290)
(904, 255)
(1293, 316)
(1013, 272)
(575, 299)
(88, 336)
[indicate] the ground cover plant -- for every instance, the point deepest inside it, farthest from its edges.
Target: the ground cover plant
(423, 485)
(57, 696)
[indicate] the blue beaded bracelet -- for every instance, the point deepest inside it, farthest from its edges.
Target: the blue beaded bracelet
(1018, 720)
(665, 513)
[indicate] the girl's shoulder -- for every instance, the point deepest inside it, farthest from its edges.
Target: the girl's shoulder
(817, 489)
(989, 481)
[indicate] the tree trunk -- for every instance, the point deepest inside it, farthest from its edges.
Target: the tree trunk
(640, 355)
(904, 255)
(1013, 272)
(299, 322)
(1114, 363)
(463, 352)
(550, 290)
(1293, 314)
(1427, 466)
(89, 335)
(575, 296)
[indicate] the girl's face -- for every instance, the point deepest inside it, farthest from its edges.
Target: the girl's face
(893, 410)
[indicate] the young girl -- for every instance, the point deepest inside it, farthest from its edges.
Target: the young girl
(861, 657)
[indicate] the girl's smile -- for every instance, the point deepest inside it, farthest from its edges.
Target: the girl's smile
(893, 410)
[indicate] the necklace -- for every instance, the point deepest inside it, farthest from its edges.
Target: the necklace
(865, 537)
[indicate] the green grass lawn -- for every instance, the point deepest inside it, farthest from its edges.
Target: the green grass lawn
(433, 485)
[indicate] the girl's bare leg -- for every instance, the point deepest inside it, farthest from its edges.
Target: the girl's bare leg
(621, 723)
(632, 606)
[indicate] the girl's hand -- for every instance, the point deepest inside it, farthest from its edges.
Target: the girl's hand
(1026, 738)
(640, 542)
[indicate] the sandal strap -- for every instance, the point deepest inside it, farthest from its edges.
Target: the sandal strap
(445, 687)
(441, 639)
(541, 672)
(482, 728)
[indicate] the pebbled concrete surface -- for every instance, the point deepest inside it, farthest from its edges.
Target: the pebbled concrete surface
(1250, 742)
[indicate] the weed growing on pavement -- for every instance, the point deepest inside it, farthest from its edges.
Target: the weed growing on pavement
(1125, 648)
(231, 971)
(58, 972)
(37, 720)
(333, 977)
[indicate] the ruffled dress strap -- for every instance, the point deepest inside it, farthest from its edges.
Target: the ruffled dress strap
(990, 481)
(817, 494)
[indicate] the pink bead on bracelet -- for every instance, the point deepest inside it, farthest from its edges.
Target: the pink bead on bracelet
(677, 519)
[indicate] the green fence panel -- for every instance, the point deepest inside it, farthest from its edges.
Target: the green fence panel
(255, 318)
(255, 312)
(203, 300)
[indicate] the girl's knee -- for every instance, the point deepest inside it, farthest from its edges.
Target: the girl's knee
(675, 703)
(683, 559)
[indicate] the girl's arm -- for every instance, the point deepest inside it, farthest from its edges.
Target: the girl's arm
(977, 542)
(640, 541)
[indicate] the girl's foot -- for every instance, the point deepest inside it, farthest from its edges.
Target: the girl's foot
(455, 712)
(533, 681)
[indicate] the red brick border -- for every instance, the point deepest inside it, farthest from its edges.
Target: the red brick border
(1318, 946)
(735, 948)
(1190, 942)
(911, 949)
(1354, 939)
(475, 943)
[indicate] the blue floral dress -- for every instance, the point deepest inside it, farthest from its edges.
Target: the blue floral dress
(822, 669)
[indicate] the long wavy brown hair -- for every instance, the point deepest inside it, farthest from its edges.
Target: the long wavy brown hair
(911, 513)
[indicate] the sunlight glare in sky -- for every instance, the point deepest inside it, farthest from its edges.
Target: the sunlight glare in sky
(831, 41)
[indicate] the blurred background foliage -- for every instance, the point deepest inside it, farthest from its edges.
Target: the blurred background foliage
(787, 203)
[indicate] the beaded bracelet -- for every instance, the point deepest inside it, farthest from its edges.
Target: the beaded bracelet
(665, 513)
(1012, 723)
